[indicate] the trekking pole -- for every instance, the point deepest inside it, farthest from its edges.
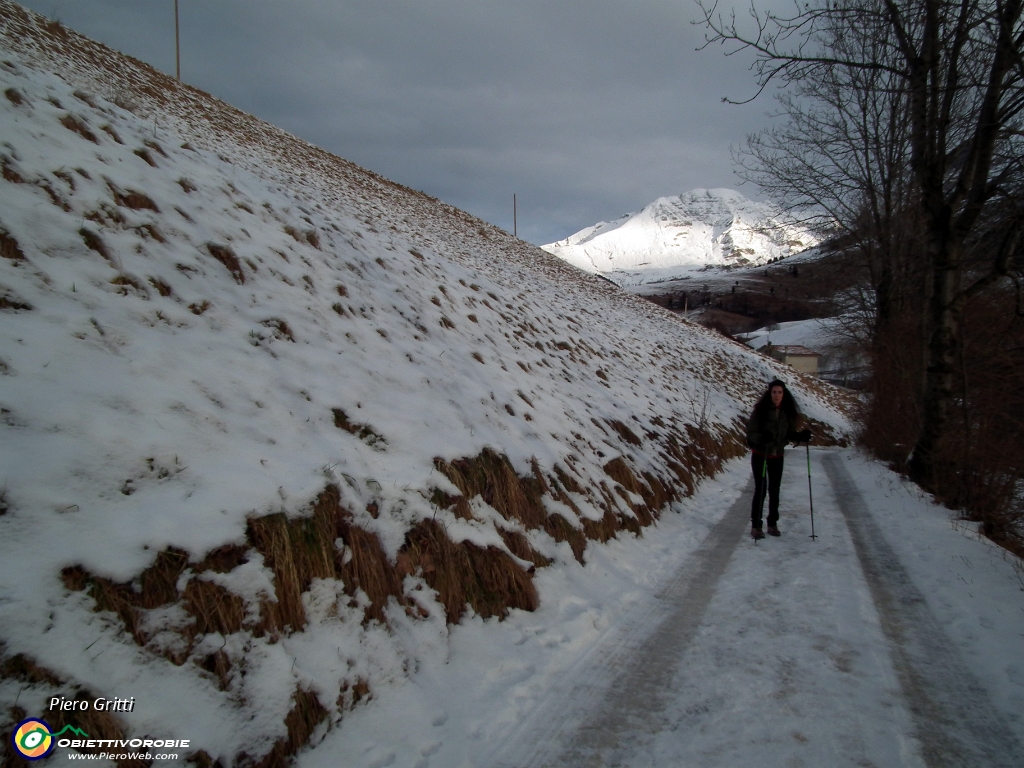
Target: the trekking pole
(810, 493)
(764, 486)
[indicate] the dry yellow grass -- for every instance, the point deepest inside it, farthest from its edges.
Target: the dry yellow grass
(9, 249)
(226, 256)
(464, 574)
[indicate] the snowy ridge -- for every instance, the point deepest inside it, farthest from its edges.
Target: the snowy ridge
(676, 235)
(190, 298)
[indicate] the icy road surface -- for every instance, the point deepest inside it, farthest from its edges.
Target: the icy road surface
(893, 639)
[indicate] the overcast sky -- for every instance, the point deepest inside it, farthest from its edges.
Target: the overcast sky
(585, 109)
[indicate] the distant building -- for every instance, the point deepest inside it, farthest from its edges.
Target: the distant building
(800, 358)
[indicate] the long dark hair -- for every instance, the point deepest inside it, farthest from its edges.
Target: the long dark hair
(788, 403)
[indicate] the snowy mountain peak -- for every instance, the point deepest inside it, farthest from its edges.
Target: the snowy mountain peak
(676, 235)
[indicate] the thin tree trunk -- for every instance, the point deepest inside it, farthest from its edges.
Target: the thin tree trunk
(940, 375)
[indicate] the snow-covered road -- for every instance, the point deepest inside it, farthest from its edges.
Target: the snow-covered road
(954, 719)
(893, 639)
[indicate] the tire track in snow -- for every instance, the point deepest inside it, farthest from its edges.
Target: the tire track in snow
(627, 679)
(955, 721)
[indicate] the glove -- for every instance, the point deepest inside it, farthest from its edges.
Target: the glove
(803, 436)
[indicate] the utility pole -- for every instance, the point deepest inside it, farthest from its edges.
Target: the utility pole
(514, 222)
(177, 44)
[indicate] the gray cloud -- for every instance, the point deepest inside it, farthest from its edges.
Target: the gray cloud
(585, 110)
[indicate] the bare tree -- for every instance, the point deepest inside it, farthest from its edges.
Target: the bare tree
(927, 98)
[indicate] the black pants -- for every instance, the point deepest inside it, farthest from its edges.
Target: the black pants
(767, 479)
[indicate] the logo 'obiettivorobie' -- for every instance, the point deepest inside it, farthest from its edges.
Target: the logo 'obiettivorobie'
(33, 739)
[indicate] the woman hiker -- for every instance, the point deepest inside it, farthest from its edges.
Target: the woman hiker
(773, 423)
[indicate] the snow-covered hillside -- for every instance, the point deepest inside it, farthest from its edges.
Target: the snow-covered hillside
(674, 236)
(270, 423)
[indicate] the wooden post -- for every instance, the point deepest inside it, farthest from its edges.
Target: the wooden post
(177, 44)
(515, 225)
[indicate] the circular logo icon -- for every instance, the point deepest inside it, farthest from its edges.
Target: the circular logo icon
(32, 739)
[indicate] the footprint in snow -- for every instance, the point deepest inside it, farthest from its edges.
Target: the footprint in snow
(381, 761)
(428, 749)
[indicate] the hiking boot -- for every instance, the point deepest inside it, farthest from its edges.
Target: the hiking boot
(773, 531)
(757, 533)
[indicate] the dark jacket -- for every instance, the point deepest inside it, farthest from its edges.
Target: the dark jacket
(769, 431)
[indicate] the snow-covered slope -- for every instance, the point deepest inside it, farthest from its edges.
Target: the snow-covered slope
(676, 235)
(270, 422)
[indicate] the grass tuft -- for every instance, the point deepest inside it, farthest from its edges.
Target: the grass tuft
(109, 130)
(293, 568)
(223, 559)
(132, 199)
(520, 546)
(281, 329)
(306, 714)
(95, 243)
(148, 158)
(218, 665)
(9, 173)
(226, 256)
(619, 471)
(9, 300)
(79, 126)
(155, 147)
(625, 432)
(309, 236)
(369, 570)
(364, 432)
(21, 667)
(85, 97)
(215, 609)
(9, 248)
(55, 198)
(55, 29)
(126, 282)
(300, 550)
(163, 288)
(488, 580)
(351, 695)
